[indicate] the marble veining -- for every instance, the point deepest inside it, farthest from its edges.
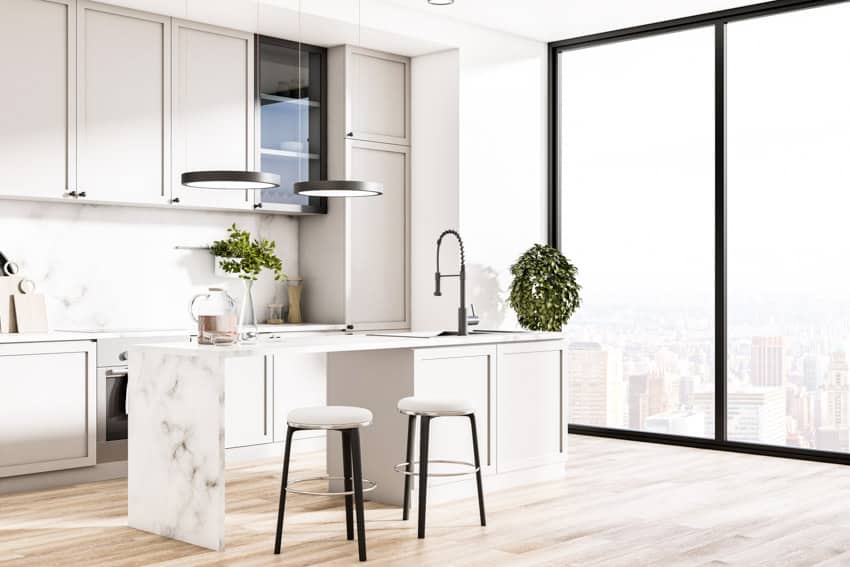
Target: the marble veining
(175, 467)
(116, 267)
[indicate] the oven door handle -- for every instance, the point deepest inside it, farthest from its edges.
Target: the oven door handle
(117, 373)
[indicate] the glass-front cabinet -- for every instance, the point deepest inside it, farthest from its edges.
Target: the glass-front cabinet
(291, 87)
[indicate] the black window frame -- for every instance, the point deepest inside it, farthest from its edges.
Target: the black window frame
(718, 20)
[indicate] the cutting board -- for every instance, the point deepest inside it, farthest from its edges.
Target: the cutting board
(30, 313)
(8, 287)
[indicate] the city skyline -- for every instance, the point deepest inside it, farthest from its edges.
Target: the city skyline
(783, 389)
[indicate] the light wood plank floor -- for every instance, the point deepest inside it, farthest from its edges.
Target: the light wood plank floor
(624, 504)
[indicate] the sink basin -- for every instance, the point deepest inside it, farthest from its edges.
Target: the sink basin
(432, 334)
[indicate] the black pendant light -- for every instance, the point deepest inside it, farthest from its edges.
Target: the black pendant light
(339, 188)
(230, 180)
(336, 187)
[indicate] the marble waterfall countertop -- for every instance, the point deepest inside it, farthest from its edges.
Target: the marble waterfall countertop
(343, 343)
(176, 411)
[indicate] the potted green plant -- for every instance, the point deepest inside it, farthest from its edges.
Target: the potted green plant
(544, 292)
(246, 258)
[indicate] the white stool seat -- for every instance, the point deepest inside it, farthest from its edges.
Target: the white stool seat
(434, 407)
(329, 417)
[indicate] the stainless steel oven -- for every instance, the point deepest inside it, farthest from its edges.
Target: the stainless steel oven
(112, 379)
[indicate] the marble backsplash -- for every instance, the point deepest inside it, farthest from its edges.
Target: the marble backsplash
(117, 267)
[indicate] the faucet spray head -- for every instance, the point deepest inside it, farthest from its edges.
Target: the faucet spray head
(437, 278)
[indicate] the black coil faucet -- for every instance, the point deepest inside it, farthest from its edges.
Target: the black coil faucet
(461, 312)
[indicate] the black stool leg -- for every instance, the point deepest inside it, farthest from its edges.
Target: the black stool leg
(478, 472)
(285, 477)
(346, 471)
(358, 493)
(425, 428)
(411, 432)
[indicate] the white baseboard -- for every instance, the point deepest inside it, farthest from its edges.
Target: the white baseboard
(58, 479)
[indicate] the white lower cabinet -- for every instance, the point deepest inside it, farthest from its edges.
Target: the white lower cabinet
(299, 381)
(460, 373)
(47, 407)
(531, 406)
(248, 414)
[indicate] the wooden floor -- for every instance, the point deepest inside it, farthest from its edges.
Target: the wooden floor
(624, 504)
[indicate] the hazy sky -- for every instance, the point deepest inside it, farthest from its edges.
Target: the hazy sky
(638, 162)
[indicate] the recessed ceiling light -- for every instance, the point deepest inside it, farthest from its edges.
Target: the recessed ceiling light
(441, 2)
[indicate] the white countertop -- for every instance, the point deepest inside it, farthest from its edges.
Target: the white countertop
(340, 343)
(13, 338)
(92, 335)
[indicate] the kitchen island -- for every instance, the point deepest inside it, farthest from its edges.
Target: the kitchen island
(177, 397)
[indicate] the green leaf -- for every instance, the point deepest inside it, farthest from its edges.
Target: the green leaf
(544, 292)
(246, 257)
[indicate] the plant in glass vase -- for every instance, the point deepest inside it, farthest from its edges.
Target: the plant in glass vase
(246, 258)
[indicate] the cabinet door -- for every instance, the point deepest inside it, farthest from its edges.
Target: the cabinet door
(248, 402)
(379, 236)
(122, 106)
(213, 102)
(530, 409)
(47, 407)
(378, 108)
(300, 381)
(38, 119)
(462, 373)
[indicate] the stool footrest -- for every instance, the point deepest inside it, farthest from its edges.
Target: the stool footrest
(368, 485)
(473, 469)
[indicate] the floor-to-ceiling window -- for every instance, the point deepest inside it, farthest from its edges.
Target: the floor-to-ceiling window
(637, 124)
(788, 205)
(701, 182)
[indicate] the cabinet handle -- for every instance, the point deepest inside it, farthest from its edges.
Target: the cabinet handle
(258, 206)
(265, 396)
(175, 200)
(81, 194)
(72, 194)
(350, 134)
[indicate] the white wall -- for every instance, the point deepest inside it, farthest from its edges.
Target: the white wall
(503, 156)
(434, 183)
(116, 267)
(499, 203)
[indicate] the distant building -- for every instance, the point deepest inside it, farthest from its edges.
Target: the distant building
(832, 434)
(814, 370)
(832, 439)
(834, 412)
(647, 396)
(754, 414)
(767, 361)
(681, 422)
(595, 378)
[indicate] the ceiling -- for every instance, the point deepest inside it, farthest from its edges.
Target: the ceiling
(550, 20)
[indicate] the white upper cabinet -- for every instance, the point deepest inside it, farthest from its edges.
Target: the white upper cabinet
(37, 119)
(378, 96)
(379, 237)
(213, 105)
(123, 72)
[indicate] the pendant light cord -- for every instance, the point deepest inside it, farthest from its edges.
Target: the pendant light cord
(298, 107)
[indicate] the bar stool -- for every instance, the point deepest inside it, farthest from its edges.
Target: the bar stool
(347, 420)
(428, 409)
